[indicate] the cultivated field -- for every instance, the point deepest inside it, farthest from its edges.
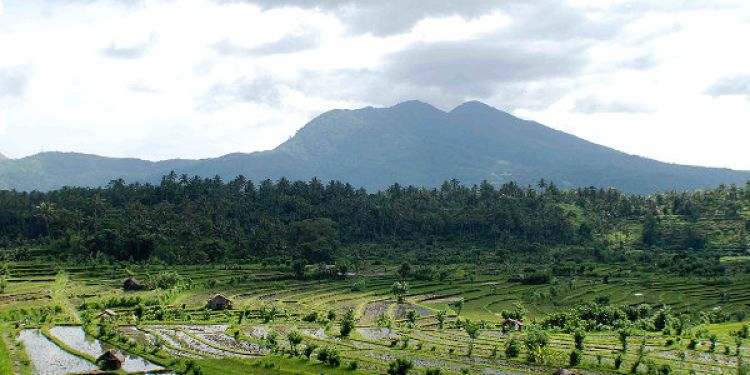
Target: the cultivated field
(51, 324)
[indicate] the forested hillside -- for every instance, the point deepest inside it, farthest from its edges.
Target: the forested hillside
(194, 220)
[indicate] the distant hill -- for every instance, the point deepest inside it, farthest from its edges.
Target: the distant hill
(411, 143)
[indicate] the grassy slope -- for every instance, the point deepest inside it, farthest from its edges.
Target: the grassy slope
(6, 362)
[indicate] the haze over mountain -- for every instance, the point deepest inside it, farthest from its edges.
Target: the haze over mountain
(411, 143)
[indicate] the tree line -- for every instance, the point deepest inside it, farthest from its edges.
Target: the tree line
(192, 220)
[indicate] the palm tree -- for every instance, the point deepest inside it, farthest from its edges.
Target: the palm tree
(46, 212)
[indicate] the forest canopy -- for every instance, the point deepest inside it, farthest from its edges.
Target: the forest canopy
(196, 220)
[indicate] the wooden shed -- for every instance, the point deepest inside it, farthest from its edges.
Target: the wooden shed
(513, 324)
(131, 283)
(219, 302)
(106, 314)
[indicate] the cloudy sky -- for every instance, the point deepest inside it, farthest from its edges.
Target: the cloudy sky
(665, 79)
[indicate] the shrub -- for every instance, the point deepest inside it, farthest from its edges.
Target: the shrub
(311, 317)
(579, 336)
(309, 349)
(400, 367)
(347, 323)
(618, 361)
(575, 358)
(513, 348)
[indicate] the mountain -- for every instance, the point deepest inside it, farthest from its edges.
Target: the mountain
(3, 157)
(412, 143)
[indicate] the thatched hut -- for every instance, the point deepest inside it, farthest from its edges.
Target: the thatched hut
(513, 325)
(106, 314)
(219, 302)
(110, 360)
(131, 283)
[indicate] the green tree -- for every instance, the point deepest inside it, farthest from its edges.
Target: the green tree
(472, 330)
(295, 338)
(536, 341)
(440, 316)
(399, 289)
(458, 306)
(579, 336)
(348, 322)
(411, 316)
(513, 347)
(404, 271)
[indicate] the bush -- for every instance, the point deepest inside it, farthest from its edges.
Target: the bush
(347, 323)
(579, 336)
(311, 317)
(513, 348)
(309, 349)
(329, 356)
(618, 361)
(400, 367)
(575, 358)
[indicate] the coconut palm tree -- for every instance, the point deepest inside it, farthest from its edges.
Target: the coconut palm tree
(46, 212)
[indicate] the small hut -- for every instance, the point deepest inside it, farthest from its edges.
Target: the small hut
(131, 283)
(106, 314)
(110, 360)
(219, 302)
(563, 371)
(513, 325)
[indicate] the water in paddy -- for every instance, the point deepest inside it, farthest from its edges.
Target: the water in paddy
(48, 359)
(77, 339)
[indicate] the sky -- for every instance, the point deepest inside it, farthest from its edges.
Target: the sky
(162, 79)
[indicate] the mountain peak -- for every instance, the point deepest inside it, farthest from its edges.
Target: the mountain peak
(473, 105)
(415, 105)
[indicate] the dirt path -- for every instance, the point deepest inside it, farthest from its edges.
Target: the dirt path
(60, 295)
(13, 353)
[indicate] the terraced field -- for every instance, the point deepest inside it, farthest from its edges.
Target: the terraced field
(46, 308)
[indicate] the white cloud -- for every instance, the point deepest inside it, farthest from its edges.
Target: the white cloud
(199, 78)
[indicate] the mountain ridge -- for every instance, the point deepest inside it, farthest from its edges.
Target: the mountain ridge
(412, 143)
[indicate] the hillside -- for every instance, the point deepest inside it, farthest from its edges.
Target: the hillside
(411, 143)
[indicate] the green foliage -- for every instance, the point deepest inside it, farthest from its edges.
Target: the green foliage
(575, 357)
(535, 341)
(578, 337)
(329, 356)
(348, 322)
(440, 316)
(309, 349)
(294, 338)
(513, 347)
(399, 289)
(400, 366)
(411, 316)
(268, 312)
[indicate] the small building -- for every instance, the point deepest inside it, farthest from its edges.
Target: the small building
(563, 371)
(110, 360)
(131, 283)
(513, 324)
(219, 302)
(106, 314)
